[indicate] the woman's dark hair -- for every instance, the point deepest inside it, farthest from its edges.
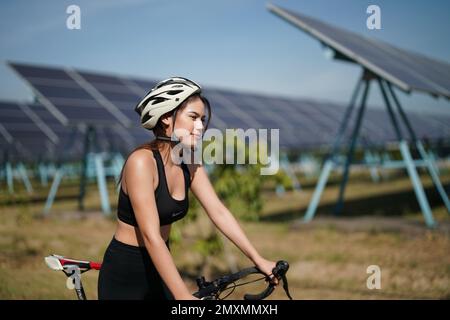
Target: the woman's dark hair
(160, 128)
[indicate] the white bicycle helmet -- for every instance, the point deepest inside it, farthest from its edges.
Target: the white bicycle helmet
(164, 97)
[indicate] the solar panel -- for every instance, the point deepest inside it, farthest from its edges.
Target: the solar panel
(220, 113)
(64, 92)
(377, 126)
(29, 137)
(407, 70)
(37, 72)
(33, 130)
(85, 98)
(307, 126)
(442, 124)
(272, 114)
(6, 141)
(114, 89)
(124, 138)
(225, 100)
(230, 108)
(139, 135)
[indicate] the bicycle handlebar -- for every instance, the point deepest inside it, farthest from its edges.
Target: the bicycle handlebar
(207, 290)
(211, 290)
(57, 262)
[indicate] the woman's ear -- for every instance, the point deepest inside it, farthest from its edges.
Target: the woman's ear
(166, 119)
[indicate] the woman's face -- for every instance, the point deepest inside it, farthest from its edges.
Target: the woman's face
(190, 123)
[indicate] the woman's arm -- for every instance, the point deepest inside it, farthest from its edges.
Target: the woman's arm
(139, 177)
(220, 215)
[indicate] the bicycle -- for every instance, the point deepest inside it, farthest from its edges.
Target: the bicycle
(207, 290)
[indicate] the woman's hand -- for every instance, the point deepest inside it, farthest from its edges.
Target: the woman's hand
(266, 267)
(187, 297)
(184, 294)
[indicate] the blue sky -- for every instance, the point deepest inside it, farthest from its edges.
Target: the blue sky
(235, 44)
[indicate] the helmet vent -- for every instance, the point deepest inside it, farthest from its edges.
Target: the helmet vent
(174, 92)
(146, 118)
(158, 100)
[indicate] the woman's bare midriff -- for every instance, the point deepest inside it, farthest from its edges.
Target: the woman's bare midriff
(131, 235)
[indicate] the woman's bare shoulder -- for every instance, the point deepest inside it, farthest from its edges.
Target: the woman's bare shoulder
(141, 160)
(141, 155)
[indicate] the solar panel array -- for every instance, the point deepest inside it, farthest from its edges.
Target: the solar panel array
(406, 69)
(30, 132)
(24, 131)
(69, 100)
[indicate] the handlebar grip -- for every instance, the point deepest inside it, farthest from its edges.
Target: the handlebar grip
(279, 271)
(260, 296)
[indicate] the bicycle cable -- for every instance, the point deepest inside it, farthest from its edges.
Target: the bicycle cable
(238, 285)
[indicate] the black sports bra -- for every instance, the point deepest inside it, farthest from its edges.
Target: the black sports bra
(169, 209)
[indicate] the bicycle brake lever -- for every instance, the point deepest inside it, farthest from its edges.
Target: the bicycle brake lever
(285, 286)
(280, 272)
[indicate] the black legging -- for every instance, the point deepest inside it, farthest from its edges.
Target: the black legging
(127, 273)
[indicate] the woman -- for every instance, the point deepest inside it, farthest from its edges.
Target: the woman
(154, 194)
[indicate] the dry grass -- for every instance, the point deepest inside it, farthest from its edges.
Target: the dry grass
(328, 257)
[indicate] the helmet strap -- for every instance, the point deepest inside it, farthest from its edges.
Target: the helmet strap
(171, 139)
